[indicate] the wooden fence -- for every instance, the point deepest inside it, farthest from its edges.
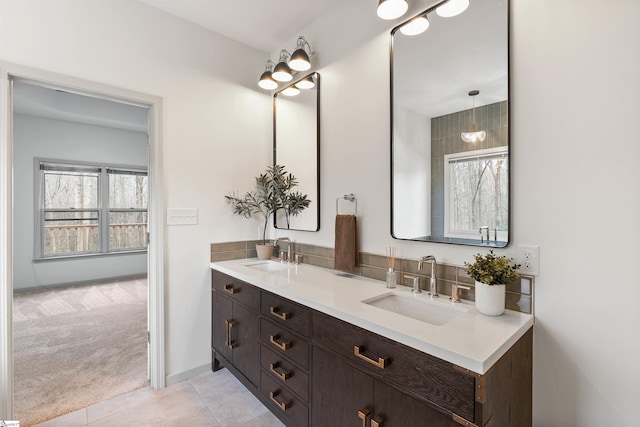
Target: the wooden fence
(65, 239)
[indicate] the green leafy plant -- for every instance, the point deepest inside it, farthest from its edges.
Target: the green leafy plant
(491, 269)
(273, 192)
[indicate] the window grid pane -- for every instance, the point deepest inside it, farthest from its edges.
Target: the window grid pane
(71, 232)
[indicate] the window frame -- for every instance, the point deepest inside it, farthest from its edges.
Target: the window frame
(102, 210)
(502, 235)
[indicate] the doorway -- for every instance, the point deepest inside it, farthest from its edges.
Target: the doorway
(8, 193)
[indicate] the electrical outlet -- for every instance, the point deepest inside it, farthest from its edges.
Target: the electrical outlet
(529, 259)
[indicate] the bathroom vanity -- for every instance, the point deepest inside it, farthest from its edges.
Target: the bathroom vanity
(318, 350)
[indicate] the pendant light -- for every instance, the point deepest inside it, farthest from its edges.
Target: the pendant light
(415, 26)
(266, 81)
(452, 8)
(282, 72)
(392, 9)
(473, 136)
(300, 57)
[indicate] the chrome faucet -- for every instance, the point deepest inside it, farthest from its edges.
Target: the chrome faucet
(484, 228)
(433, 288)
(289, 245)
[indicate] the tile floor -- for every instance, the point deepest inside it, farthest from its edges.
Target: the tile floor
(211, 399)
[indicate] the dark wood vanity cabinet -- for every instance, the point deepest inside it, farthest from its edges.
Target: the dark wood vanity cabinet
(235, 326)
(380, 380)
(310, 368)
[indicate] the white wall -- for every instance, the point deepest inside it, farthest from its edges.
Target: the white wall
(214, 114)
(575, 177)
(575, 103)
(36, 137)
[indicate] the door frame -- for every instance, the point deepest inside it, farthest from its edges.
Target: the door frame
(155, 255)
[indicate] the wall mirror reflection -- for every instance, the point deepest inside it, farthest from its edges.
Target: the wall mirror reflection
(450, 126)
(296, 145)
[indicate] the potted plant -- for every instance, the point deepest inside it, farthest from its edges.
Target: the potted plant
(492, 273)
(274, 191)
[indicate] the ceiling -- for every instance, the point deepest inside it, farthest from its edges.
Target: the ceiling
(266, 25)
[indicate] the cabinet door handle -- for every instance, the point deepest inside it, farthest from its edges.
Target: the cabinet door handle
(376, 421)
(282, 346)
(283, 315)
(363, 414)
(229, 288)
(380, 363)
(284, 375)
(282, 405)
(227, 337)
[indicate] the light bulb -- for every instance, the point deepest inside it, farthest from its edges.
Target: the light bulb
(392, 9)
(416, 26)
(452, 8)
(291, 91)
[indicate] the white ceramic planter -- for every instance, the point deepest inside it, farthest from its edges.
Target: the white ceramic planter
(490, 299)
(264, 251)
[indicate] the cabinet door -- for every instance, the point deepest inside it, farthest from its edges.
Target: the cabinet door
(396, 409)
(339, 391)
(245, 341)
(222, 313)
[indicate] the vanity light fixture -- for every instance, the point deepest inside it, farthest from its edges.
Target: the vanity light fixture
(306, 83)
(392, 9)
(473, 136)
(300, 57)
(452, 8)
(282, 72)
(266, 81)
(415, 26)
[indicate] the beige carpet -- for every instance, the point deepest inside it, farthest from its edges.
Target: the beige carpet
(77, 346)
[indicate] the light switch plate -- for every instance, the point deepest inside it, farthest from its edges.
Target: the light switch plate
(182, 216)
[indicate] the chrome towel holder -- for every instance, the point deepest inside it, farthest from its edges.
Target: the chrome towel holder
(351, 198)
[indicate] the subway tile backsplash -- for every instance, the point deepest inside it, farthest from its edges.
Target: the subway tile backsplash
(519, 293)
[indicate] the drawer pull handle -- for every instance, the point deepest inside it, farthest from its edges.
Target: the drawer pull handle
(282, 405)
(284, 375)
(229, 288)
(283, 315)
(363, 414)
(227, 337)
(282, 346)
(376, 421)
(380, 363)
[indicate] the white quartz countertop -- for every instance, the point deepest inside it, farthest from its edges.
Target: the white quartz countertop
(472, 340)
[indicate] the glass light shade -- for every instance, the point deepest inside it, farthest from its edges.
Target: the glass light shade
(452, 8)
(416, 26)
(282, 72)
(473, 136)
(392, 9)
(267, 82)
(306, 83)
(291, 91)
(300, 60)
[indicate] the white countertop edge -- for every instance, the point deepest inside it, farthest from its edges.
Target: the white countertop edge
(480, 366)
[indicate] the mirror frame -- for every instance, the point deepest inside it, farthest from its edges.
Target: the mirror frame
(316, 76)
(509, 133)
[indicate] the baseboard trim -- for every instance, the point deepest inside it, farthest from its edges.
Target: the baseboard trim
(82, 283)
(187, 375)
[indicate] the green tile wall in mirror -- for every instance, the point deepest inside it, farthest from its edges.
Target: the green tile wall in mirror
(447, 82)
(296, 145)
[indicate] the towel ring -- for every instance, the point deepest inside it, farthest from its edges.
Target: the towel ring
(351, 198)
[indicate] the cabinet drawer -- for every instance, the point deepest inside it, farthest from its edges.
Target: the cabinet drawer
(285, 312)
(285, 343)
(235, 289)
(425, 376)
(282, 401)
(285, 372)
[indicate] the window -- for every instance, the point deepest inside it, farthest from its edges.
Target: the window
(477, 194)
(89, 209)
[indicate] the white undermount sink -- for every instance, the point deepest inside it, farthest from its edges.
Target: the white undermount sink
(268, 265)
(418, 308)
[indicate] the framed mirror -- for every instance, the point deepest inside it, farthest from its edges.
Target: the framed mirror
(296, 145)
(450, 136)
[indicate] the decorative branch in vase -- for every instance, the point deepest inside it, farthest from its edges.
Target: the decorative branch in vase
(273, 192)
